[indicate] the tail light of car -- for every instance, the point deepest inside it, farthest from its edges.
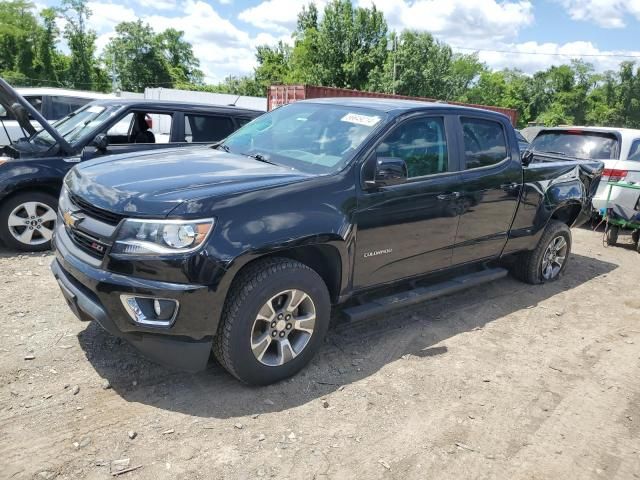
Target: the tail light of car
(614, 174)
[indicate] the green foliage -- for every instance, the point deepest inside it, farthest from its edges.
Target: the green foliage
(140, 58)
(82, 43)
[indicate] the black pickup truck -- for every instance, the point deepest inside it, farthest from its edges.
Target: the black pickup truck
(244, 247)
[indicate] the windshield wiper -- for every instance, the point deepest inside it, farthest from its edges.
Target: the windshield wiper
(553, 153)
(260, 158)
(221, 146)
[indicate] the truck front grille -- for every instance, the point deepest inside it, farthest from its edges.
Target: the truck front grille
(95, 212)
(91, 245)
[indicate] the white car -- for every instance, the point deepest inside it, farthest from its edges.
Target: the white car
(52, 103)
(618, 148)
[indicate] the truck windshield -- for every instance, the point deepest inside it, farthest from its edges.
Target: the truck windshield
(577, 143)
(313, 138)
(77, 124)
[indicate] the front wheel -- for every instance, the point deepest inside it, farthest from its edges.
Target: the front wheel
(27, 221)
(275, 317)
(547, 262)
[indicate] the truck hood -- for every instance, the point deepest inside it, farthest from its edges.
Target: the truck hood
(153, 183)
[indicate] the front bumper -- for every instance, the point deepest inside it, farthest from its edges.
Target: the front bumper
(94, 294)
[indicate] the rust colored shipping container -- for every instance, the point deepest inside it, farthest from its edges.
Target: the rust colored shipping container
(283, 94)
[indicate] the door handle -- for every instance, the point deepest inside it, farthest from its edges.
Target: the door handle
(449, 196)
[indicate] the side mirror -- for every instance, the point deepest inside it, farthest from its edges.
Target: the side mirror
(101, 142)
(526, 157)
(389, 171)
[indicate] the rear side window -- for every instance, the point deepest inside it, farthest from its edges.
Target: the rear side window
(577, 143)
(242, 121)
(62, 106)
(206, 128)
(421, 143)
(36, 102)
(634, 152)
(484, 142)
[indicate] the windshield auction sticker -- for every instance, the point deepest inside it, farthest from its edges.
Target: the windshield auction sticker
(359, 119)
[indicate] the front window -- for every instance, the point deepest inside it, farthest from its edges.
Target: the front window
(313, 138)
(77, 124)
(577, 143)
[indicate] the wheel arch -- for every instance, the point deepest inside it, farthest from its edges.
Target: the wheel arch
(50, 187)
(324, 259)
(567, 213)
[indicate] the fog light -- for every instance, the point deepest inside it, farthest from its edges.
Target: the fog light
(156, 312)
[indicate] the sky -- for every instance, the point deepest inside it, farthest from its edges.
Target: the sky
(529, 35)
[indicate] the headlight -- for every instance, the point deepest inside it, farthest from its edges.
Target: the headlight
(149, 237)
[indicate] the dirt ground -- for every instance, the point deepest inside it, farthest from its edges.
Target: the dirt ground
(508, 381)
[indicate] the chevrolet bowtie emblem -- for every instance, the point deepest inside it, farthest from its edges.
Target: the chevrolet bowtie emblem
(71, 220)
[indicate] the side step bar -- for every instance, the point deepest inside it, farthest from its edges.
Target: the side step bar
(421, 294)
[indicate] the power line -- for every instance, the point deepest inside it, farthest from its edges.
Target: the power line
(515, 52)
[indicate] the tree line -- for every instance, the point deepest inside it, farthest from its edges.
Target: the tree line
(345, 46)
(136, 57)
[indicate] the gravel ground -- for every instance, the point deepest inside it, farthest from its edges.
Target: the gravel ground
(508, 381)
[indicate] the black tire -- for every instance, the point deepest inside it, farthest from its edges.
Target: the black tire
(635, 236)
(248, 294)
(40, 243)
(528, 266)
(612, 235)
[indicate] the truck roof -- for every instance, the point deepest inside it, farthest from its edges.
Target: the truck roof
(396, 105)
(169, 104)
(64, 92)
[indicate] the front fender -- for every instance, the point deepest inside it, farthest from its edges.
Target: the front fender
(30, 174)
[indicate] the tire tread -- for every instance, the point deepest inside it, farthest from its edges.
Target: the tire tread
(526, 266)
(241, 289)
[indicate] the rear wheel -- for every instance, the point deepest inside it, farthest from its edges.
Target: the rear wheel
(547, 262)
(635, 236)
(612, 235)
(274, 319)
(27, 221)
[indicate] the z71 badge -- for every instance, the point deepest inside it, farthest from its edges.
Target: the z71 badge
(378, 252)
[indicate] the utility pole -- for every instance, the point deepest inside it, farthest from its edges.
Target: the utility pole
(395, 66)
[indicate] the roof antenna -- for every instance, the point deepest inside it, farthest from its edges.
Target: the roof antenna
(234, 102)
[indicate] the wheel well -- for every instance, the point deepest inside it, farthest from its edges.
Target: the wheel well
(50, 188)
(567, 213)
(323, 259)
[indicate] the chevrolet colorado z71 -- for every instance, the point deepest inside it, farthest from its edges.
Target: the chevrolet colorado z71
(245, 246)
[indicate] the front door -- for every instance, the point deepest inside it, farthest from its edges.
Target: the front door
(489, 191)
(409, 229)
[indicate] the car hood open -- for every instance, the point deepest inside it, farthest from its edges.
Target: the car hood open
(21, 110)
(153, 183)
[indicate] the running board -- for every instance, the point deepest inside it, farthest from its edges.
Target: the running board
(421, 294)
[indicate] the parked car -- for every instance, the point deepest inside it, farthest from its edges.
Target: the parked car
(618, 148)
(51, 103)
(32, 169)
(523, 143)
(247, 246)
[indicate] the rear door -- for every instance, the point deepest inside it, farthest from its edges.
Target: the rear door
(489, 190)
(409, 229)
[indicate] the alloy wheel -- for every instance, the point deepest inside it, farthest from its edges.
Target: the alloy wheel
(283, 327)
(32, 223)
(554, 257)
